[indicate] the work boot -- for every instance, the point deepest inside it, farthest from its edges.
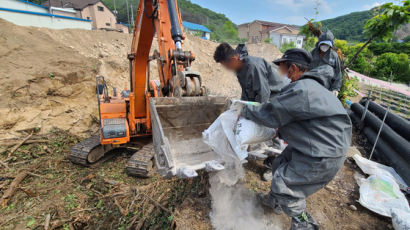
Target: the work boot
(267, 201)
(304, 222)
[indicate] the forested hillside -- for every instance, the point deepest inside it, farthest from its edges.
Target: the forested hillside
(222, 28)
(349, 27)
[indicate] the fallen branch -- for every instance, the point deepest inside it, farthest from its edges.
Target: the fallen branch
(150, 210)
(83, 210)
(20, 144)
(57, 223)
(12, 189)
(4, 165)
(157, 204)
(11, 143)
(47, 222)
(14, 185)
(123, 211)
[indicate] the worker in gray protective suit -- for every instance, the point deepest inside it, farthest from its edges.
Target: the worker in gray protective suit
(323, 54)
(317, 129)
(259, 82)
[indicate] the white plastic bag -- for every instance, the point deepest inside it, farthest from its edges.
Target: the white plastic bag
(400, 219)
(381, 194)
(371, 168)
(229, 137)
(220, 136)
(248, 132)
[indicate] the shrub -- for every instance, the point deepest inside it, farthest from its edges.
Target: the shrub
(285, 46)
(396, 65)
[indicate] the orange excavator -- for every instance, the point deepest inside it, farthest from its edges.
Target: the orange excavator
(174, 110)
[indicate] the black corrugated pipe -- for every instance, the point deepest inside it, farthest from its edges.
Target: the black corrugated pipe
(354, 118)
(398, 143)
(386, 153)
(397, 123)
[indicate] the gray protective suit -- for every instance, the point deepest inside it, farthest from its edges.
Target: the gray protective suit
(257, 78)
(330, 58)
(318, 131)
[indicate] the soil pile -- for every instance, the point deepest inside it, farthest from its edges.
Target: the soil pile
(48, 76)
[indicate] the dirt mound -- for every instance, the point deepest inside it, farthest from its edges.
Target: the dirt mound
(48, 76)
(43, 82)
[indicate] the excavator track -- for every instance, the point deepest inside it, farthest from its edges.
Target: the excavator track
(140, 164)
(88, 151)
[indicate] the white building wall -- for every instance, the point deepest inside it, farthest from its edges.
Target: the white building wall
(18, 5)
(23, 19)
(279, 39)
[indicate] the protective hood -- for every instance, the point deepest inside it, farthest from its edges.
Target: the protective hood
(242, 51)
(321, 74)
(326, 36)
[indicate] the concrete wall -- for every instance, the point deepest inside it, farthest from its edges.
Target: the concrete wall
(101, 19)
(243, 31)
(198, 33)
(26, 14)
(23, 19)
(122, 27)
(18, 5)
(255, 30)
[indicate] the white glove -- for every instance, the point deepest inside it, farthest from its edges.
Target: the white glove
(336, 93)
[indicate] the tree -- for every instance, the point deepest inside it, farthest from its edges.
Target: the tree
(385, 23)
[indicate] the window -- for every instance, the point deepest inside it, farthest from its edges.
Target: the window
(299, 42)
(88, 18)
(100, 8)
(108, 24)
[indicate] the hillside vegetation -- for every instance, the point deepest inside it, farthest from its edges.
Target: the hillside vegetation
(222, 28)
(349, 27)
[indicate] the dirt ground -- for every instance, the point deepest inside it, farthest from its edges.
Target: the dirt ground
(48, 90)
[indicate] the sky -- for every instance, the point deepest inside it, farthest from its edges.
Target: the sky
(285, 11)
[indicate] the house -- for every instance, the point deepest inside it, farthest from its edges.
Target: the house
(95, 10)
(197, 29)
(25, 13)
(277, 33)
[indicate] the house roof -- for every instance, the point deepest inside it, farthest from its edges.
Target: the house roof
(272, 25)
(76, 4)
(194, 26)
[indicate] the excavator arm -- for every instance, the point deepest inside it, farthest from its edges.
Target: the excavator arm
(162, 18)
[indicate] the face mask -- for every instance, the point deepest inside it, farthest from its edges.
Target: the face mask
(324, 48)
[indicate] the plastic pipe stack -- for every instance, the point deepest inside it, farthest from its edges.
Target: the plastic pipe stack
(393, 146)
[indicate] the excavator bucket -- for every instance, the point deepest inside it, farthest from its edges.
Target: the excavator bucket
(177, 126)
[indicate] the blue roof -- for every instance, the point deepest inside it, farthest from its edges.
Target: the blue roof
(193, 26)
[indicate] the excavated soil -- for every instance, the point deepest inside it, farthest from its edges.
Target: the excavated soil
(48, 89)
(48, 76)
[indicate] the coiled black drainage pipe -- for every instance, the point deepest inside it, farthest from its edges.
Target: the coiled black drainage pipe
(398, 143)
(397, 123)
(386, 153)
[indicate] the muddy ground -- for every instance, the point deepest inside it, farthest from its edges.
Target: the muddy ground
(47, 91)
